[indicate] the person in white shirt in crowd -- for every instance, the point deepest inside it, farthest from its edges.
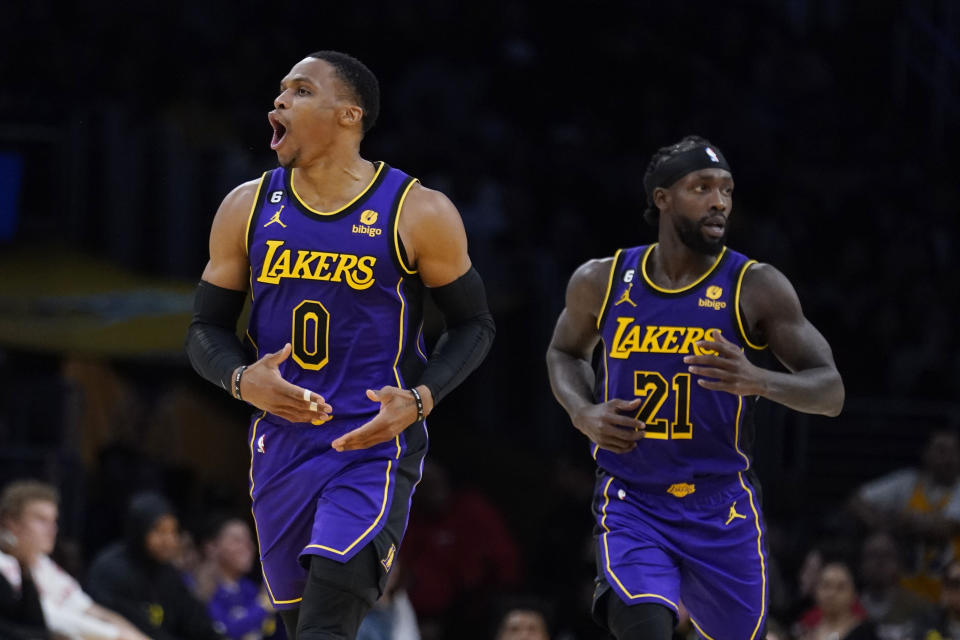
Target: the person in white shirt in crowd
(29, 511)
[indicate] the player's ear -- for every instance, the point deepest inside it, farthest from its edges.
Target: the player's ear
(351, 116)
(660, 198)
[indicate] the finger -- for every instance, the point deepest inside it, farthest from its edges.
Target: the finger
(709, 372)
(274, 359)
(631, 435)
(300, 414)
(360, 438)
(315, 402)
(373, 395)
(710, 361)
(628, 422)
(725, 349)
(717, 385)
(621, 437)
(626, 405)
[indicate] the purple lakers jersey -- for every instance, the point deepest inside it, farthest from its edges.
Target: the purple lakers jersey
(337, 287)
(646, 331)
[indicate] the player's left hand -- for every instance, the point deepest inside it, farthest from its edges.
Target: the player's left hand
(398, 410)
(726, 370)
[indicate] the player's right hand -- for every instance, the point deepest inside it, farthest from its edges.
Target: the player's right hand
(262, 386)
(607, 424)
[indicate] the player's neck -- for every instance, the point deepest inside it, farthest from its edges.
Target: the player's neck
(675, 265)
(329, 182)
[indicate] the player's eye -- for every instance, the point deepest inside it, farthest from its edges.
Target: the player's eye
(303, 91)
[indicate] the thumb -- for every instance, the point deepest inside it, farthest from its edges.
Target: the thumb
(373, 395)
(277, 357)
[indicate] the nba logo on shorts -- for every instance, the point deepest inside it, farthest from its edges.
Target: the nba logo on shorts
(712, 154)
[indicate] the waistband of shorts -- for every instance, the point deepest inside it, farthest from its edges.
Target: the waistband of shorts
(698, 486)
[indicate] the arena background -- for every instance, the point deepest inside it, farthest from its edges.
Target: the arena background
(122, 127)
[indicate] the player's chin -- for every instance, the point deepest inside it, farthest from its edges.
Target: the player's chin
(712, 245)
(287, 160)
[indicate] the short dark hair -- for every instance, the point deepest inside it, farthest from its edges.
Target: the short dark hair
(652, 214)
(508, 604)
(359, 79)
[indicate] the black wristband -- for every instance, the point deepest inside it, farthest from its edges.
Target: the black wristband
(419, 400)
(236, 381)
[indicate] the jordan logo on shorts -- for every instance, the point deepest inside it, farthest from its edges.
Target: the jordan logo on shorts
(276, 218)
(626, 297)
(734, 515)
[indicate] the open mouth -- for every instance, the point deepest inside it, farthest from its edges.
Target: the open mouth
(279, 131)
(715, 227)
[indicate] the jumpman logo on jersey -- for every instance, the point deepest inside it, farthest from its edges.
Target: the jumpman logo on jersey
(626, 297)
(276, 218)
(734, 515)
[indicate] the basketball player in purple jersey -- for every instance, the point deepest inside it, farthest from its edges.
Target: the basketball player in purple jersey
(668, 411)
(335, 252)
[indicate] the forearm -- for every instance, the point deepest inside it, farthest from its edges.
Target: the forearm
(212, 344)
(571, 380)
(467, 339)
(818, 390)
(459, 351)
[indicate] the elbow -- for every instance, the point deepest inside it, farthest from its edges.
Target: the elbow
(837, 398)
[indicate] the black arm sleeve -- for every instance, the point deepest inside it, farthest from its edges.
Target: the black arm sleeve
(212, 344)
(468, 336)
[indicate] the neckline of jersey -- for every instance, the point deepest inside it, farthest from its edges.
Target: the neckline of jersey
(655, 287)
(373, 180)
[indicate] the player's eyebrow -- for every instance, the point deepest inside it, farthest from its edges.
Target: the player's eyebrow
(299, 78)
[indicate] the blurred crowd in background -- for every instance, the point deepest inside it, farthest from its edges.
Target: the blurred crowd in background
(122, 128)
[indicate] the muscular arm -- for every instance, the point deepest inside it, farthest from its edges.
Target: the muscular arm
(436, 244)
(773, 313)
(432, 231)
(771, 305)
(575, 336)
(568, 363)
(212, 344)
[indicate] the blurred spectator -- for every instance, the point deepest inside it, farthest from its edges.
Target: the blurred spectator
(836, 615)
(239, 608)
(459, 552)
(525, 619)
(21, 616)
(898, 614)
(29, 511)
(136, 577)
(947, 626)
(923, 505)
(392, 616)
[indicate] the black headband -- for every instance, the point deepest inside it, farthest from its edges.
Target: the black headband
(680, 164)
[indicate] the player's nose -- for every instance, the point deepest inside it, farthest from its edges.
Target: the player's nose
(718, 201)
(280, 101)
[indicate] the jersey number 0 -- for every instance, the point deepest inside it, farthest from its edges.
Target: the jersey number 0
(310, 335)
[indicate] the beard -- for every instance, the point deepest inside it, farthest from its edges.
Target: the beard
(692, 237)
